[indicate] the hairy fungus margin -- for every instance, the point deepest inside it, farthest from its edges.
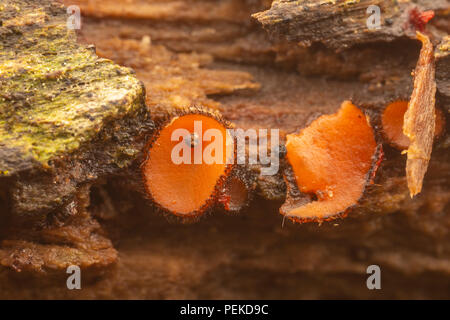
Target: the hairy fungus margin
(332, 161)
(186, 189)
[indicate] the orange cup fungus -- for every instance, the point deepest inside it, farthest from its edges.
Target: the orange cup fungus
(187, 163)
(331, 159)
(392, 121)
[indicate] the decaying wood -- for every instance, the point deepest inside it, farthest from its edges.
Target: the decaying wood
(66, 118)
(419, 123)
(442, 56)
(174, 81)
(231, 38)
(230, 35)
(175, 50)
(75, 241)
(343, 23)
(69, 118)
(57, 100)
(171, 10)
(51, 88)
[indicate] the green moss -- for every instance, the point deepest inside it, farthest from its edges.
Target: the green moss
(55, 95)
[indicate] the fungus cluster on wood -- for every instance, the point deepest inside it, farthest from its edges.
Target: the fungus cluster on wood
(331, 161)
(188, 190)
(71, 123)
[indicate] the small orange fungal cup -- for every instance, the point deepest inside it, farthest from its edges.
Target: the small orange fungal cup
(187, 163)
(331, 162)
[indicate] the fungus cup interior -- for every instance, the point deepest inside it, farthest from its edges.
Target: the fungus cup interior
(187, 188)
(331, 159)
(392, 121)
(235, 196)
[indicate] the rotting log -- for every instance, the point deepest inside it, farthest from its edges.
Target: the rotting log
(226, 32)
(229, 37)
(67, 118)
(174, 81)
(333, 37)
(58, 100)
(409, 245)
(343, 23)
(387, 80)
(66, 103)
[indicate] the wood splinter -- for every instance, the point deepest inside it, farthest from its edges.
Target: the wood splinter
(420, 118)
(393, 119)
